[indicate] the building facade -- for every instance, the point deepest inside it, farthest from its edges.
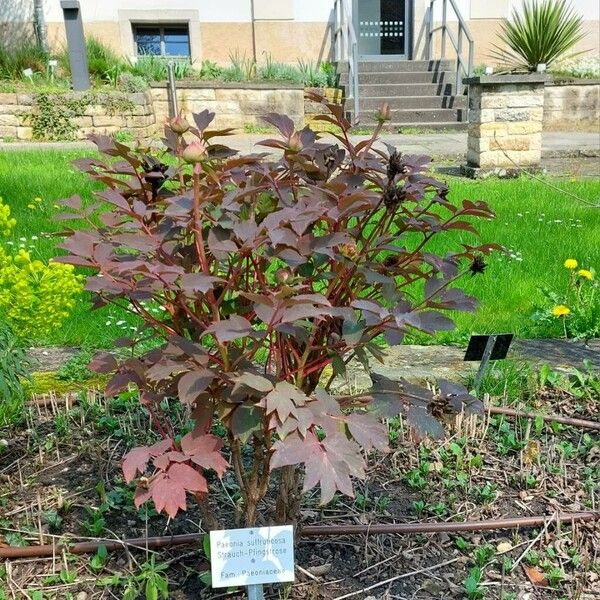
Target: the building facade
(285, 30)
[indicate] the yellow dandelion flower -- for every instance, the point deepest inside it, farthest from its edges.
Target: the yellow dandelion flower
(37, 199)
(561, 310)
(585, 274)
(571, 263)
(31, 206)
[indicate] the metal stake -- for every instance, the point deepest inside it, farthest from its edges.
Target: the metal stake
(172, 89)
(256, 592)
(485, 359)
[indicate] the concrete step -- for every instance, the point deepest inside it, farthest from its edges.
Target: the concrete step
(365, 123)
(419, 116)
(407, 78)
(402, 66)
(404, 102)
(395, 90)
(435, 126)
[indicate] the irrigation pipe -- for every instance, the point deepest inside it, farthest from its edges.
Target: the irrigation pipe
(511, 412)
(308, 531)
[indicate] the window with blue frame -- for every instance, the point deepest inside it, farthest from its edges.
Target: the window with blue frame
(156, 40)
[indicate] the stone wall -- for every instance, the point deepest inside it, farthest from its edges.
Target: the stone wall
(505, 121)
(144, 113)
(96, 113)
(312, 109)
(235, 104)
(572, 104)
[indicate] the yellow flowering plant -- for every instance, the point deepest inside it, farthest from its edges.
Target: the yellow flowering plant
(571, 263)
(576, 310)
(35, 297)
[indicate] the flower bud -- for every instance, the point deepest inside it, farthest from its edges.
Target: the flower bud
(295, 143)
(282, 275)
(179, 125)
(384, 113)
(194, 152)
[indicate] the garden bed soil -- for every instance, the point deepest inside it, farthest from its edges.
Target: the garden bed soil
(65, 463)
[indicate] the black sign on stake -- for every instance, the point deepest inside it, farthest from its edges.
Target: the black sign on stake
(484, 348)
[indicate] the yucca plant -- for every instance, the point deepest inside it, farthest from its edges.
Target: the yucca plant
(540, 34)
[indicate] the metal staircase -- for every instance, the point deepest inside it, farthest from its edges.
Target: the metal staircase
(421, 93)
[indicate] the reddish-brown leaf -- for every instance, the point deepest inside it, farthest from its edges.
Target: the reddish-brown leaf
(118, 383)
(198, 282)
(230, 329)
(186, 477)
(192, 384)
(167, 495)
(284, 399)
(135, 461)
(328, 464)
(281, 122)
(103, 362)
(204, 450)
(368, 431)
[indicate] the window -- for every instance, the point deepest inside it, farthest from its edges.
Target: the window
(155, 40)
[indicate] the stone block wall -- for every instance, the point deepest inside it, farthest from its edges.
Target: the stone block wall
(102, 113)
(505, 121)
(235, 104)
(572, 104)
(312, 109)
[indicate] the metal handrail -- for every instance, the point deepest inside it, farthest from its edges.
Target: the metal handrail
(346, 46)
(462, 68)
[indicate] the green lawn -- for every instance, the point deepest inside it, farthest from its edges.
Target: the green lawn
(49, 175)
(539, 225)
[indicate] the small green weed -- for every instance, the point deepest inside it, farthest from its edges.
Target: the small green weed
(471, 585)
(483, 554)
(75, 369)
(95, 524)
(151, 582)
(99, 559)
(463, 545)
(419, 507)
(54, 521)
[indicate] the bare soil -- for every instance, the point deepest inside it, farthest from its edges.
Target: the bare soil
(60, 476)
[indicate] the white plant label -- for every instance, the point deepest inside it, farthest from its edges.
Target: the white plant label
(252, 556)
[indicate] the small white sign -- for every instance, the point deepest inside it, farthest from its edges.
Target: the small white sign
(252, 556)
